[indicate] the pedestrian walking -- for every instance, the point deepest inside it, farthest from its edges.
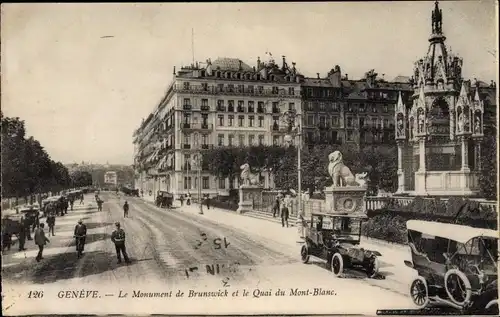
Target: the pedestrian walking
(118, 238)
(207, 201)
(22, 235)
(188, 200)
(285, 211)
(125, 209)
(182, 200)
(276, 207)
(27, 228)
(51, 222)
(40, 240)
(71, 202)
(81, 199)
(99, 204)
(66, 205)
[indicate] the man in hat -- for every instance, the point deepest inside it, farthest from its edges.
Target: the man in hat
(125, 209)
(80, 234)
(40, 240)
(118, 238)
(51, 222)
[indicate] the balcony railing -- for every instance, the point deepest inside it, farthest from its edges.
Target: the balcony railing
(205, 108)
(233, 91)
(207, 146)
(187, 107)
(197, 126)
(276, 110)
(186, 146)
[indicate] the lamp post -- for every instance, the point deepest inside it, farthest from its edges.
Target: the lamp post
(197, 162)
(294, 132)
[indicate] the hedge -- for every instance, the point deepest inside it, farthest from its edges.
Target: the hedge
(389, 224)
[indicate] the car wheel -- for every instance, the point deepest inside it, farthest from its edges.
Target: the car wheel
(337, 264)
(373, 268)
(304, 254)
(419, 292)
(457, 287)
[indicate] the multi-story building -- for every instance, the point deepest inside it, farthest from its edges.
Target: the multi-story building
(225, 103)
(111, 178)
(338, 110)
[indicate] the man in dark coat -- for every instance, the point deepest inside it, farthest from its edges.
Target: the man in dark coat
(125, 209)
(51, 222)
(22, 234)
(80, 233)
(40, 240)
(118, 238)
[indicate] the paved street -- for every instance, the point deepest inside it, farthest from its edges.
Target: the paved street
(171, 249)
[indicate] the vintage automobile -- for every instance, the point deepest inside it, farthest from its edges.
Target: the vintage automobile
(130, 192)
(335, 238)
(164, 199)
(12, 223)
(74, 194)
(457, 266)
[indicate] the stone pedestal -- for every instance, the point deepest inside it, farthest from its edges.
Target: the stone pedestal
(249, 195)
(345, 200)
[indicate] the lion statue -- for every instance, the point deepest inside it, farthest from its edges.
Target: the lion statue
(341, 174)
(247, 177)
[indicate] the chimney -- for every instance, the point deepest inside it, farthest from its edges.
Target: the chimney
(240, 68)
(258, 63)
(284, 61)
(174, 70)
(346, 76)
(317, 75)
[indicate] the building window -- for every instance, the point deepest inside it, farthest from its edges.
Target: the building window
(241, 140)
(187, 119)
(221, 120)
(250, 89)
(374, 122)
(240, 121)
(241, 106)
(230, 105)
(335, 121)
(386, 123)
(204, 86)
(187, 162)
(291, 91)
(322, 122)
(250, 121)
(335, 106)
(310, 120)
(322, 106)
(374, 108)
(186, 86)
(251, 106)
(204, 120)
(204, 102)
(241, 88)
(251, 139)
(230, 140)
(276, 140)
(204, 139)
(230, 120)
(230, 88)
(260, 107)
(220, 139)
(361, 122)
(220, 105)
(205, 182)
(187, 139)
(362, 107)
(309, 92)
(187, 101)
(220, 87)
(261, 140)
(349, 123)
(276, 107)
(260, 89)
(386, 108)
(330, 92)
(222, 183)
(187, 182)
(291, 106)
(261, 121)
(275, 90)
(350, 136)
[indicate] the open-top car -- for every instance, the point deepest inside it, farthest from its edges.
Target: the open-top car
(457, 266)
(335, 238)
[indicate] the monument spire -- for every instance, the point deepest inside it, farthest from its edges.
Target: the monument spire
(437, 19)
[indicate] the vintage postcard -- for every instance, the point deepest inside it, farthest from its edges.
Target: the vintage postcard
(249, 158)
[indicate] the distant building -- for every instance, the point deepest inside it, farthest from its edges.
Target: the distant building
(110, 178)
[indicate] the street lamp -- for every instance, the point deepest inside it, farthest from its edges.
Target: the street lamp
(197, 164)
(294, 131)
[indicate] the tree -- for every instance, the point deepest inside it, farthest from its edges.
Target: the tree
(81, 179)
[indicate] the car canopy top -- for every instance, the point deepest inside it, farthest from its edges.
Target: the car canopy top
(362, 216)
(28, 208)
(459, 233)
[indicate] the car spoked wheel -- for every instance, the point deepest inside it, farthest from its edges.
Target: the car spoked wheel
(419, 292)
(304, 254)
(373, 268)
(337, 264)
(458, 287)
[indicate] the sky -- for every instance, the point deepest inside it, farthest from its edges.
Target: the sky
(82, 95)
